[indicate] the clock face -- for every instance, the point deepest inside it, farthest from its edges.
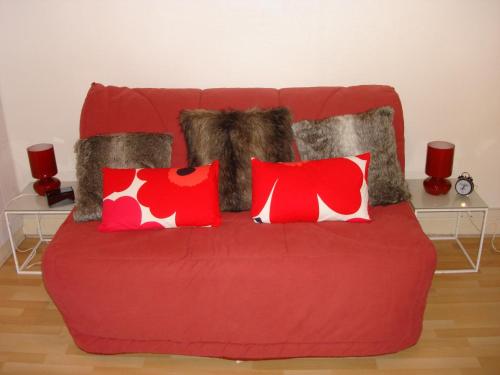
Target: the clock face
(463, 187)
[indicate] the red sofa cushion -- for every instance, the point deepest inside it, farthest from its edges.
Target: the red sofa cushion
(239, 98)
(110, 109)
(317, 103)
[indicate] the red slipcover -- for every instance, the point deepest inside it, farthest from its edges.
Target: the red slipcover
(241, 290)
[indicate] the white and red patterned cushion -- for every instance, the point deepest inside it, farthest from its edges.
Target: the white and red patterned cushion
(160, 198)
(311, 191)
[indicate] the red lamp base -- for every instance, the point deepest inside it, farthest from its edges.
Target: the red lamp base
(46, 184)
(437, 185)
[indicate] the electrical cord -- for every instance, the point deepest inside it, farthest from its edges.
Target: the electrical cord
(14, 199)
(493, 247)
(492, 242)
(33, 264)
(30, 249)
(469, 215)
(24, 250)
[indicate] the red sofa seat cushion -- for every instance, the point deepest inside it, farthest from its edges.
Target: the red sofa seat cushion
(243, 290)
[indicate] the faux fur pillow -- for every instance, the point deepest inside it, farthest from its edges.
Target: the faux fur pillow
(128, 150)
(233, 138)
(371, 131)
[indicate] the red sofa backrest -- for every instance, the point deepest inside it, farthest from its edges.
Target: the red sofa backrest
(110, 109)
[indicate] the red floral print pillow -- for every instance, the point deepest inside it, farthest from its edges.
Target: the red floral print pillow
(311, 191)
(160, 198)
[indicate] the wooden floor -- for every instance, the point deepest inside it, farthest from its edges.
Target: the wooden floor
(461, 335)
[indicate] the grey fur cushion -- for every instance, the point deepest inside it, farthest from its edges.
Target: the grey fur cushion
(127, 150)
(349, 135)
(233, 137)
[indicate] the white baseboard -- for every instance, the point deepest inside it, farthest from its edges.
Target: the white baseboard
(5, 252)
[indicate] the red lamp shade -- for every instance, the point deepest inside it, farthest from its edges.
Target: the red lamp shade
(43, 167)
(438, 166)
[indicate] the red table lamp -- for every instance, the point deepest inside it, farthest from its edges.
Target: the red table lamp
(43, 167)
(438, 166)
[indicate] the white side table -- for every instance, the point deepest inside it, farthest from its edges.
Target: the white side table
(423, 202)
(30, 203)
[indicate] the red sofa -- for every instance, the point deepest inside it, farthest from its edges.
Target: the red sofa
(241, 290)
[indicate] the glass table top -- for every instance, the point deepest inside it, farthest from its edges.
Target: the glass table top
(420, 199)
(29, 200)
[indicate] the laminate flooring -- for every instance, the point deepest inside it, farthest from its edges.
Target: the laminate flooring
(461, 334)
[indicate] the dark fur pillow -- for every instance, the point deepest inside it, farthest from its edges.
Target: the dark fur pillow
(128, 150)
(350, 135)
(233, 137)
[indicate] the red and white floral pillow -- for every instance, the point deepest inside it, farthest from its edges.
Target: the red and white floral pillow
(160, 198)
(311, 191)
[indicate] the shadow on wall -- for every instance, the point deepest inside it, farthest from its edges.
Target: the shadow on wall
(8, 182)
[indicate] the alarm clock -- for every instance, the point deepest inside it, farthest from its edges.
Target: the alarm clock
(464, 184)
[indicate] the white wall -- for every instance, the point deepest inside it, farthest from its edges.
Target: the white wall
(443, 57)
(8, 185)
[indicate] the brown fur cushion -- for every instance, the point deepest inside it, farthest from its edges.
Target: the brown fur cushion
(131, 150)
(350, 135)
(233, 138)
